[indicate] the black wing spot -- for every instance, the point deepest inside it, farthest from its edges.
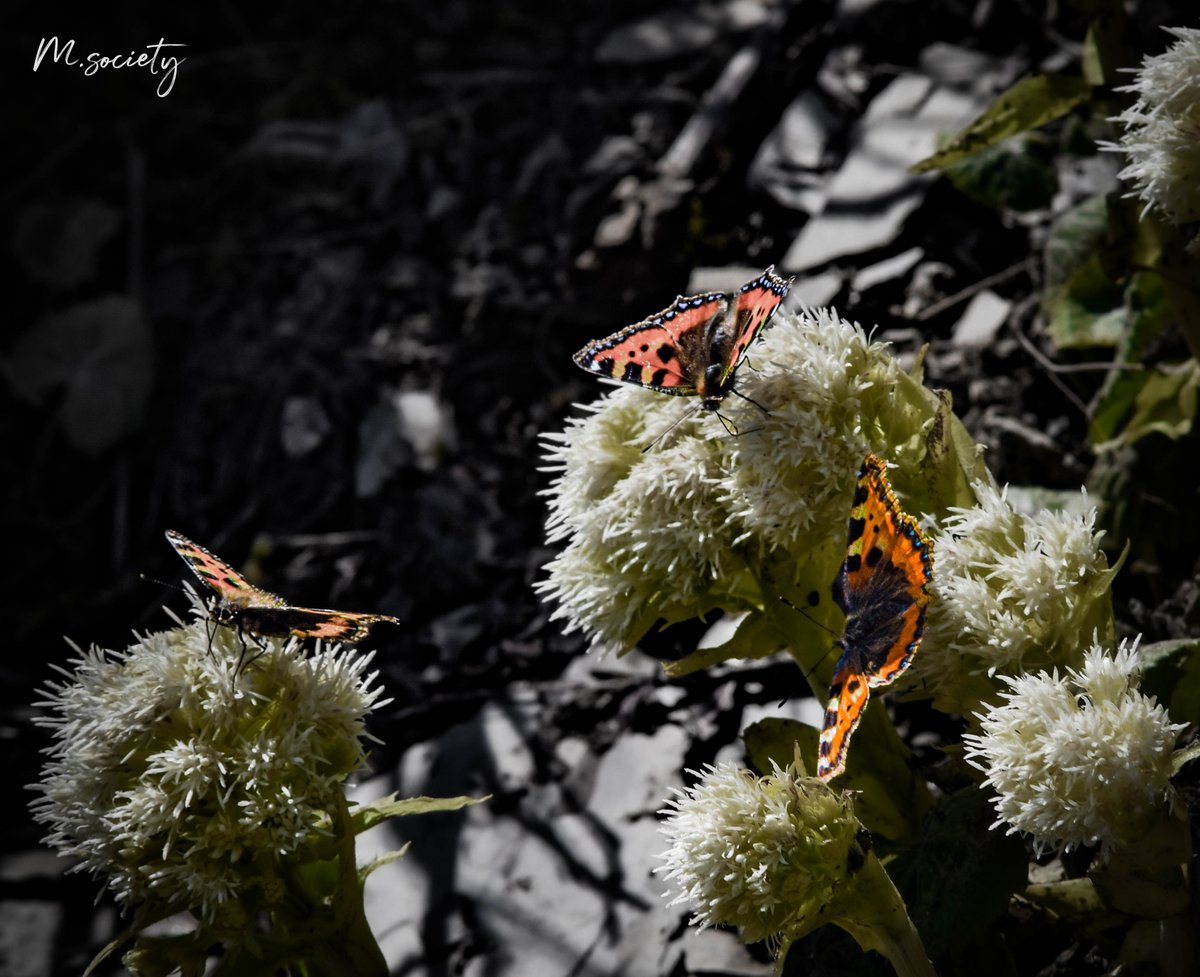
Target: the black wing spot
(874, 555)
(657, 378)
(632, 374)
(605, 366)
(853, 563)
(665, 353)
(856, 528)
(860, 495)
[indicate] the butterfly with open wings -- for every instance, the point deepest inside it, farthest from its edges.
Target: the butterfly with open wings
(238, 604)
(694, 346)
(882, 589)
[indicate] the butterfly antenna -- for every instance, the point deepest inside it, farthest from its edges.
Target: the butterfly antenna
(824, 627)
(674, 424)
(162, 583)
(801, 610)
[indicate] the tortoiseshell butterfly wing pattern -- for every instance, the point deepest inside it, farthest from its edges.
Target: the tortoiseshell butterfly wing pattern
(237, 603)
(692, 347)
(882, 589)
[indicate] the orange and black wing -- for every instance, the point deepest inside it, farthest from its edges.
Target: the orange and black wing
(224, 581)
(882, 589)
(311, 622)
(665, 352)
(756, 302)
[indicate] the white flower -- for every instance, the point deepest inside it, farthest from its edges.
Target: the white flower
(785, 481)
(1079, 759)
(1013, 592)
(183, 783)
(759, 853)
(671, 529)
(647, 533)
(1162, 130)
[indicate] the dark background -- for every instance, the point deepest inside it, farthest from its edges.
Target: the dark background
(214, 298)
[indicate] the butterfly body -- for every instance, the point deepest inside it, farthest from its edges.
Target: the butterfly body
(237, 603)
(692, 347)
(882, 590)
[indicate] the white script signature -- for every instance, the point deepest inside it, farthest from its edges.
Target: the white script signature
(151, 58)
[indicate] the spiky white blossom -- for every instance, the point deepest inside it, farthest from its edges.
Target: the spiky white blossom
(667, 529)
(1013, 592)
(1076, 759)
(758, 853)
(1161, 140)
(785, 481)
(183, 781)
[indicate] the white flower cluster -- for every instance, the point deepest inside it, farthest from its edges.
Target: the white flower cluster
(1079, 759)
(1013, 592)
(755, 852)
(1162, 130)
(182, 782)
(666, 532)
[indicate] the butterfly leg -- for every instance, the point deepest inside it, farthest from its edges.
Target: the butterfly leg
(751, 399)
(210, 631)
(260, 643)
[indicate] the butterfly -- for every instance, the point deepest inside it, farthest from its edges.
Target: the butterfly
(693, 347)
(882, 591)
(237, 603)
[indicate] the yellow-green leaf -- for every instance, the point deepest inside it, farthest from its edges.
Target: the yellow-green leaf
(1030, 103)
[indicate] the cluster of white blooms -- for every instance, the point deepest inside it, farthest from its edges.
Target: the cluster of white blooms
(1013, 592)
(758, 853)
(1077, 759)
(667, 532)
(182, 780)
(1162, 130)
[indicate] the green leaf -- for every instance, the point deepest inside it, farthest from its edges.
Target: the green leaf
(382, 860)
(1088, 311)
(159, 956)
(1148, 878)
(1181, 758)
(1165, 404)
(892, 798)
(1107, 48)
(1075, 236)
(776, 626)
(957, 876)
(1147, 315)
(366, 816)
(1013, 176)
(777, 740)
(1030, 103)
(755, 636)
(1083, 306)
(1171, 673)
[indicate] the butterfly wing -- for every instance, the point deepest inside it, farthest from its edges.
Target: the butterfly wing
(230, 587)
(848, 694)
(882, 589)
(664, 352)
(311, 622)
(756, 303)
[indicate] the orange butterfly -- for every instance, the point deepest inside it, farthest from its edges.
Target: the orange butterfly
(237, 603)
(882, 591)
